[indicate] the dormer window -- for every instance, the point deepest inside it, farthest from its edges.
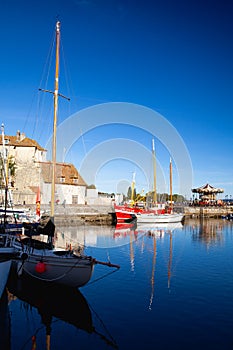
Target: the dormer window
(62, 179)
(75, 180)
(7, 141)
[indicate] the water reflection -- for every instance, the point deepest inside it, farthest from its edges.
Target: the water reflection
(4, 322)
(53, 302)
(157, 235)
(95, 236)
(153, 274)
(208, 231)
(108, 236)
(162, 272)
(157, 241)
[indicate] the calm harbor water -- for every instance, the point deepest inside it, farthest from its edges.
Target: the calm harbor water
(173, 291)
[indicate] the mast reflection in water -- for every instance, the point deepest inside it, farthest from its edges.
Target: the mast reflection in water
(173, 291)
(53, 302)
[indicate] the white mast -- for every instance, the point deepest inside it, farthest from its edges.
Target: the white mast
(171, 204)
(154, 170)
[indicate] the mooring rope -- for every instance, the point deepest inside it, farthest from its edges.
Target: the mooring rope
(100, 278)
(113, 341)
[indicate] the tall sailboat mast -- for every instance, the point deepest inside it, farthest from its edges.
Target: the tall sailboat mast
(154, 171)
(55, 109)
(171, 205)
(5, 169)
(132, 190)
(55, 97)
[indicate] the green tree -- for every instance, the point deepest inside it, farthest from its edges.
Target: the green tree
(10, 171)
(91, 187)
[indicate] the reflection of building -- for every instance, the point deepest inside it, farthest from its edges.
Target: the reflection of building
(207, 192)
(209, 231)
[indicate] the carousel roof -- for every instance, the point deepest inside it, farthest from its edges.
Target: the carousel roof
(207, 189)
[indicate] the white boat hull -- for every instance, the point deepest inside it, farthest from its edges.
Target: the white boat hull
(159, 218)
(70, 270)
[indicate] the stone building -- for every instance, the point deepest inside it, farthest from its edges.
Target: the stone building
(70, 186)
(33, 171)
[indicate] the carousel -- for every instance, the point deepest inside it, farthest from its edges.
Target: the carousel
(207, 193)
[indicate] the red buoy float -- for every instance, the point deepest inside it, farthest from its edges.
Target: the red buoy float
(40, 267)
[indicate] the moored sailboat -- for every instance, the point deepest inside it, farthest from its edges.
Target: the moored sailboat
(159, 218)
(156, 212)
(154, 217)
(41, 259)
(124, 216)
(8, 227)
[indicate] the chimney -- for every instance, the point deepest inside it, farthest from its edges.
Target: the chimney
(22, 136)
(18, 135)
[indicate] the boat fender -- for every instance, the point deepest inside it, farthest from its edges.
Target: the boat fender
(40, 267)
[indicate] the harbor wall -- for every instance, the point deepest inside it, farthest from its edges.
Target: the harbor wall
(105, 214)
(211, 212)
(78, 214)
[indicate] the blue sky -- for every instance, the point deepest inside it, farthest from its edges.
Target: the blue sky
(174, 57)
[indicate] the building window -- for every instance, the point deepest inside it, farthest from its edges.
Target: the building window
(62, 179)
(75, 199)
(75, 180)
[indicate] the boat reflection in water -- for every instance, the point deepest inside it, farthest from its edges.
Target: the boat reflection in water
(95, 236)
(158, 233)
(53, 302)
(159, 229)
(4, 322)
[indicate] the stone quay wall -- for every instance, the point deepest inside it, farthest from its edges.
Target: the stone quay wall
(211, 212)
(78, 214)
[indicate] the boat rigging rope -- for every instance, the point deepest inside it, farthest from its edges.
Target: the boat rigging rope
(100, 278)
(41, 100)
(112, 342)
